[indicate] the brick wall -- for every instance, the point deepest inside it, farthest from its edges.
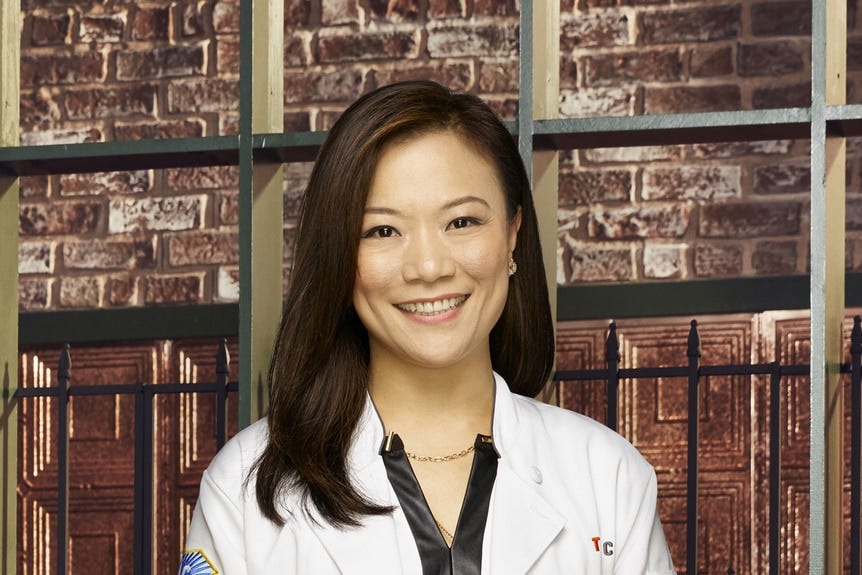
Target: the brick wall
(117, 70)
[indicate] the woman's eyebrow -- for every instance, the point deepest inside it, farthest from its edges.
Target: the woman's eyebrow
(383, 211)
(465, 200)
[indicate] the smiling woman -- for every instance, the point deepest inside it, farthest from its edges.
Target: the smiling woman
(402, 437)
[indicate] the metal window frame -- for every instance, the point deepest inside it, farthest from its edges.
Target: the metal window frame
(260, 153)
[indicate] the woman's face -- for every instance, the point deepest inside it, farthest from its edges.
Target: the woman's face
(432, 268)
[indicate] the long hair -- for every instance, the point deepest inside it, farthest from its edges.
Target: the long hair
(319, 369)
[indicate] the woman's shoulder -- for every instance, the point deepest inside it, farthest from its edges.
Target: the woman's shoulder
(232, 464)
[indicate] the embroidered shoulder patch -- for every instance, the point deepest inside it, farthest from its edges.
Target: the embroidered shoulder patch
(195, 562)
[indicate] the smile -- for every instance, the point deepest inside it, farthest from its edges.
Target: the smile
(432, 307)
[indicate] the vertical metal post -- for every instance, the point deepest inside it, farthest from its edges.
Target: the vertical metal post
(856, 447)
(141, 542)
(261, 199)
(828, 87)
(693, 354)
(10, 26)
(64, 373)
(774, 467)
(612, 357)
(222, 366)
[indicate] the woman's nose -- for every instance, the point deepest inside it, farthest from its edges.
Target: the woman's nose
(427, 258)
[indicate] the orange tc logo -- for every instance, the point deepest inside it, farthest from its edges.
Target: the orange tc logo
(603, 547)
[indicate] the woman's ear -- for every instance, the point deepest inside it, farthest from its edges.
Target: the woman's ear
(514, 226)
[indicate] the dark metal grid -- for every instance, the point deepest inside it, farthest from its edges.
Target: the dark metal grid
(694, 372)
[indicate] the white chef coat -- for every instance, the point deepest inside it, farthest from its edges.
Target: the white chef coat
(571, 496)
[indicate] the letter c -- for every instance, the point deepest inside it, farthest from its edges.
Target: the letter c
(608, 548)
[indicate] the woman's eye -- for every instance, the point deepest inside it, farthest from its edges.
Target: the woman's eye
(460, 223)
(380, 232)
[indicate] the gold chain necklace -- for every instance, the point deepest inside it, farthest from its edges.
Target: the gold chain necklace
(443, 530)
(441, 458)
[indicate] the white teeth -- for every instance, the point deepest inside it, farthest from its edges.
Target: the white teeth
(432, 308)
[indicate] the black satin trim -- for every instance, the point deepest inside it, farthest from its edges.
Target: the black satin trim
(465, 555)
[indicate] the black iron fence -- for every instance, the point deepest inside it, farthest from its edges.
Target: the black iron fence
(612, 374)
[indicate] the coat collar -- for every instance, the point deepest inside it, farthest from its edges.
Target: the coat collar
(521, 525)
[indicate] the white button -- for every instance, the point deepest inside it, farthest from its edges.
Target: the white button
(536, 474)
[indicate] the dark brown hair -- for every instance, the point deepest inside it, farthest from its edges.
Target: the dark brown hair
(319, 368)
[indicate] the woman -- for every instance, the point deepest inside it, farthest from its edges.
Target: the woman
(401, 437)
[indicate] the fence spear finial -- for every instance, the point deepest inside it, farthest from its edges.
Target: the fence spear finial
(612, 344)
(693, 340)
(64, 370)
(222, 357)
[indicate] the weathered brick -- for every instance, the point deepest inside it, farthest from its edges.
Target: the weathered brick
(742, 149)
(151, 23)
(297, 122)
(631, 155)
(587, 102)
(666, 221)
(457, 75)
(180, 289)
(228, 208)
(749, 220)
(448, 40)
(58, 218)
(80, 292)
(854, 54)
(712, 260)
(645, 66)
(198, 96)
(50, 29)
(594, 30)
(853, 215)
(196, 248)
(36, 257)
(394, 10)
(95, 103)
(31, 187)
(33, 293)
(782, 179)
(167, 213)
(692, 99)
(703, 24)
(162, 62)
(227, 57)
(61, 68)
(208, 178)
(161, 129)
(345, 45)
(102, 28)
(339, 12)
(691, 183)
(228, 124)
(585, 187)
(307, 86)
(446, 8)
(103, 183)
(770, 59)
(494, 8)
(297, 50)
(505, 108)
(662, 261)
(787, 96)
(39, 111)
(781, 18)
(192, 20)
(568, 73)
(138, 253)
(121, 291)
(226, 17)
(707, 61)
(774, 258)
(289, 238)
(61, 136)
(590, 263)
(227, 284)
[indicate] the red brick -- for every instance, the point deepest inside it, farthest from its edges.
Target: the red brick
(568, 73)
(35, 257)
(102, 29)
(584, 187)
(310, 86)
(781, 19)
(692, 99)
(33, 294)
(631, 155)
(297, 51)
(662, 261)
(590, 263)
(80, 292)
(712, 260)
(192, 20)
(197, 248)
(787, 96)
(121, 291)
(782, 179)
(33, 187)
(182, 289)
(339, 11)
(394, 10)
(227, 284)
(151, 23)
(506, 108)
(742, 149)
(110, 102)
(447, 40)
(203, 95)
(606, 101)
(854, 215)
(854, 54)
(345, 45)
(162, 62)
(666, 221)
(691, 183)
(774, 258)
(50, 29)
(228, 124)
(227, 57)
(297, 122)
(594, 30)
(708, 62)
(446, 8)
(750, 220)
(228, 208)
(457, 75)
(104, 183)
(289, 239)
(59, 218)
(159, 130)
(772, 59)
(645, 65)
(165, 213)
(704, 24)
(209, 178)
(296, 14)
(226, 17)
(111, 254)
(61, 136)
(494, 8)
(39, 110)
(61, 68)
